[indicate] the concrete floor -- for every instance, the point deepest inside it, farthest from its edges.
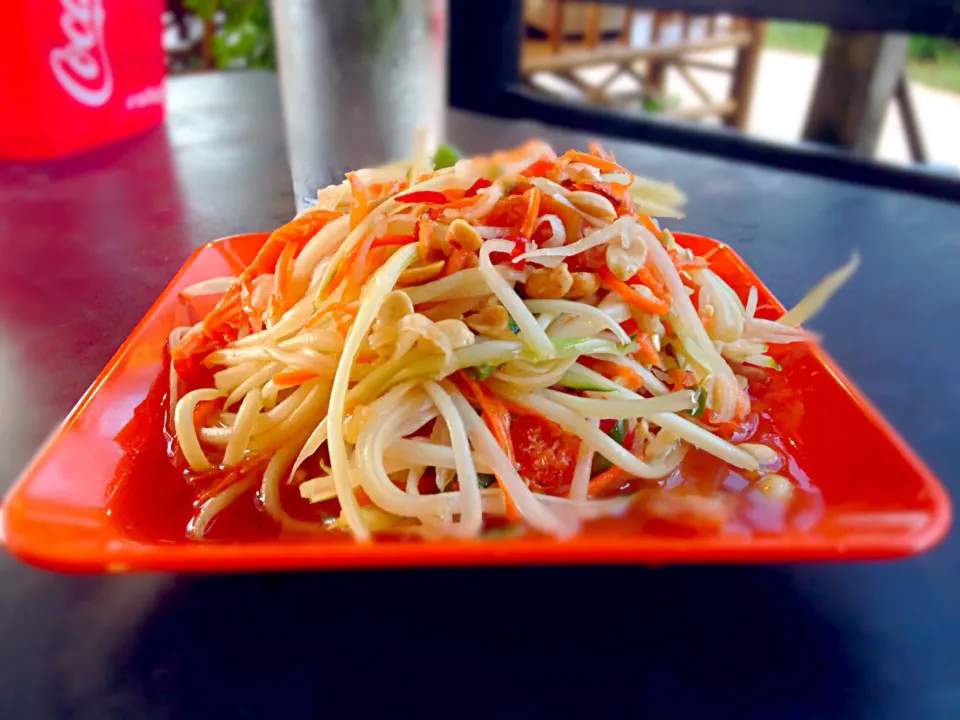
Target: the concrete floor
(783, 91)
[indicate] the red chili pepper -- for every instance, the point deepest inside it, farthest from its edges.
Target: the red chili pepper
(479, 185)
(606, 425)
(434, 197)
(519, 247)
(539, 168)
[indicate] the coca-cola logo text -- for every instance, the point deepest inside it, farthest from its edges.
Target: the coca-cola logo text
(81, 66)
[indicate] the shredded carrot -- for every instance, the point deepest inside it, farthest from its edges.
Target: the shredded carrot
(216, 480)
(393, 239)
(224, 323)
(338, 277)
(599, 151)
(205, 409)
(456, 261)
(649, 224)
(343, 318)
(612, 370)
(601, 164)
(571, 219)
(543, 167)
(358, 201)
(680, 379)
(494, 411)
(255, 314)
(610, 479)
(300, 230)
(359, 270)
(710, 253)
(497, 417)
(654, 305)
(422, 230)
(288, 378)
(530, 219)
(228, 477)
(337, 311)
(353, 264)
(649, 276)
(362, 497)
(682, 263)
(646, 352)
(280, 301)
(285, 270)
(509, 156)
(386, 189)
(454, 203)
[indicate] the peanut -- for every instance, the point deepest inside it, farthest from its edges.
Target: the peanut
(584, 284)
(490, 321)
(594, 205)
(463, 234)
(549, 283)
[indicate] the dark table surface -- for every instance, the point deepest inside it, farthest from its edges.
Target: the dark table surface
(89, 242)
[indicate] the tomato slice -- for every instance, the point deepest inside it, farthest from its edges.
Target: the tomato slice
(546, 455)
(508, 212)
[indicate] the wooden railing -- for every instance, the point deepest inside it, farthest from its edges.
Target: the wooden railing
(647, 64)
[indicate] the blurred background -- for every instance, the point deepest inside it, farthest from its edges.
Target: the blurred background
(757, 76)
(134, 132)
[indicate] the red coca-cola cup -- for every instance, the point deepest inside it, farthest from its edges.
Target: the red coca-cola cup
(75, 74)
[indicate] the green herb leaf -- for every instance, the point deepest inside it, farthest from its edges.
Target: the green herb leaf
(600, 463)
(482, 371)
(700, 395)
(485, 480)
(619, 433)
(445, 156)
(512, 324)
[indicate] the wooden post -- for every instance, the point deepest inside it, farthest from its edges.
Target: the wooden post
(627, 28)
(656, 69)
(555, 31)
(911, 125)
(858, 76)
(745, 74)
(591, 25)
(207, 60)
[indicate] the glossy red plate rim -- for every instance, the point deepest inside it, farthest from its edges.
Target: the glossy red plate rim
(21, 532)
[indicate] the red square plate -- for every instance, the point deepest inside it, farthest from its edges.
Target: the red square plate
(879, 500)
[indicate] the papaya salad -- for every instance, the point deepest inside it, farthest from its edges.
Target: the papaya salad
(446, 345)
